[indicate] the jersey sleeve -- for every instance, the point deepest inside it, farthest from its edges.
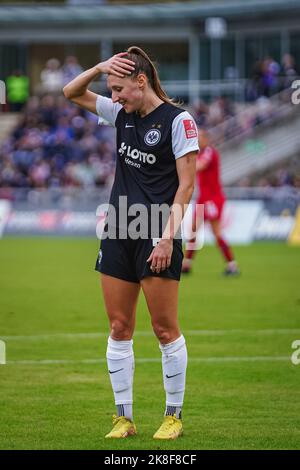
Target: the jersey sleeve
(184, 135)
(107, 110)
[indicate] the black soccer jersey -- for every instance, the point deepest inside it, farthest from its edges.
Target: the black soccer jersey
(147, 150)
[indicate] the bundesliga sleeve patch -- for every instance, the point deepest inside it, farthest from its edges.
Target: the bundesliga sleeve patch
(190, 129)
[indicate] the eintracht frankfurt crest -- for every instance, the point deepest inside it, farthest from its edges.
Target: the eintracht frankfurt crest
(152, 137)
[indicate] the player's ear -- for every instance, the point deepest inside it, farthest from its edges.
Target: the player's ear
(141, 80)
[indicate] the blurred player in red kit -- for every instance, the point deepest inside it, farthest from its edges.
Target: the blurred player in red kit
(212, 197)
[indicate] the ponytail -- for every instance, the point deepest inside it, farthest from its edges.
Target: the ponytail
(144, 64)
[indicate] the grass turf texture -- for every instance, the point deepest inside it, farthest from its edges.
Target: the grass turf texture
(48, 287)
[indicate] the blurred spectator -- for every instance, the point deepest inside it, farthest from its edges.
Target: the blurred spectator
(269, 78)
(52, 77)
(254, 86)
(17, 85)
(270, 72)
(70, 69)
(200, 113)
(220, 110)
(288, 71)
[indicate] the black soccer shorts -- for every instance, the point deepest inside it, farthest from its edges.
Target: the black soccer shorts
(127, 259)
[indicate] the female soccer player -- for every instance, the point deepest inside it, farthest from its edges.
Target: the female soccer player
(157, 147)
(212, 197)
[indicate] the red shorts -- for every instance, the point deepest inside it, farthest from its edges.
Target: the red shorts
(212, 209)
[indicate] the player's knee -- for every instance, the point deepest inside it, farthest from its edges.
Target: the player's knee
(163, 334)
(121, 330)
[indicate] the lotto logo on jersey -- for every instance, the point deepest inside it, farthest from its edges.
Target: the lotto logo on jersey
(136, 154)
(190, 128)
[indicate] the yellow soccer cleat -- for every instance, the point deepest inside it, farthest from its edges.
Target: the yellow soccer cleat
(171, 428)
(122, 427)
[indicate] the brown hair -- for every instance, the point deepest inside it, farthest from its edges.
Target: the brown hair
(143, 64)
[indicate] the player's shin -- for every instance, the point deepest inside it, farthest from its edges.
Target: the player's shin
(174, 364)
(120, 361)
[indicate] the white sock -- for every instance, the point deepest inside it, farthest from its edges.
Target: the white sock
(120, 362)
(232, 265)
(125, 410)
(174, 363)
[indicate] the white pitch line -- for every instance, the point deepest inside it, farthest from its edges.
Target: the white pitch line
(150, 333)
(155, 360)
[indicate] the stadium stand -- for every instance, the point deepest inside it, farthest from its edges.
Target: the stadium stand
(258, 138)
(234, 87)
(56, 144)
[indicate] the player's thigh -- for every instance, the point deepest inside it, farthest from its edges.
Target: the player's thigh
(120, 299)
(162, 300)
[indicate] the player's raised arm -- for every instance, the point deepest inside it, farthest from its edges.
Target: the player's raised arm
(77, 90)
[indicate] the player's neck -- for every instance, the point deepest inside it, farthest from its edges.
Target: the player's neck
(150, 103)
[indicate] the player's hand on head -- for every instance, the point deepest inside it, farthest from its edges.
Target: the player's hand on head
(117, 65)
(161, 255)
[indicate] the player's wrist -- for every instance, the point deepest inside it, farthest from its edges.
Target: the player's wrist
(98, 69)
(168, 240)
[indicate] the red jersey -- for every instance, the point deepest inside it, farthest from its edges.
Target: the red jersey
(208, 179)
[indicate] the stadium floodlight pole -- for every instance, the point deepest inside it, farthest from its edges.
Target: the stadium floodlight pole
(215, 29)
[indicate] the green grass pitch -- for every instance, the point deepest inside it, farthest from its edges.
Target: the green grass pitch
(243, 392)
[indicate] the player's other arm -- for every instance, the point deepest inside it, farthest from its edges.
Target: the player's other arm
(77, 90)
(161, 255)
(186, 176)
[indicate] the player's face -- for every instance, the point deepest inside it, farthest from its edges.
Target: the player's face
(126, 92)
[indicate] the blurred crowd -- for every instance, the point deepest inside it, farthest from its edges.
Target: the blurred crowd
(56, 144)
(269, 77)
(55, 76)
(227, 120)
(284, 175)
